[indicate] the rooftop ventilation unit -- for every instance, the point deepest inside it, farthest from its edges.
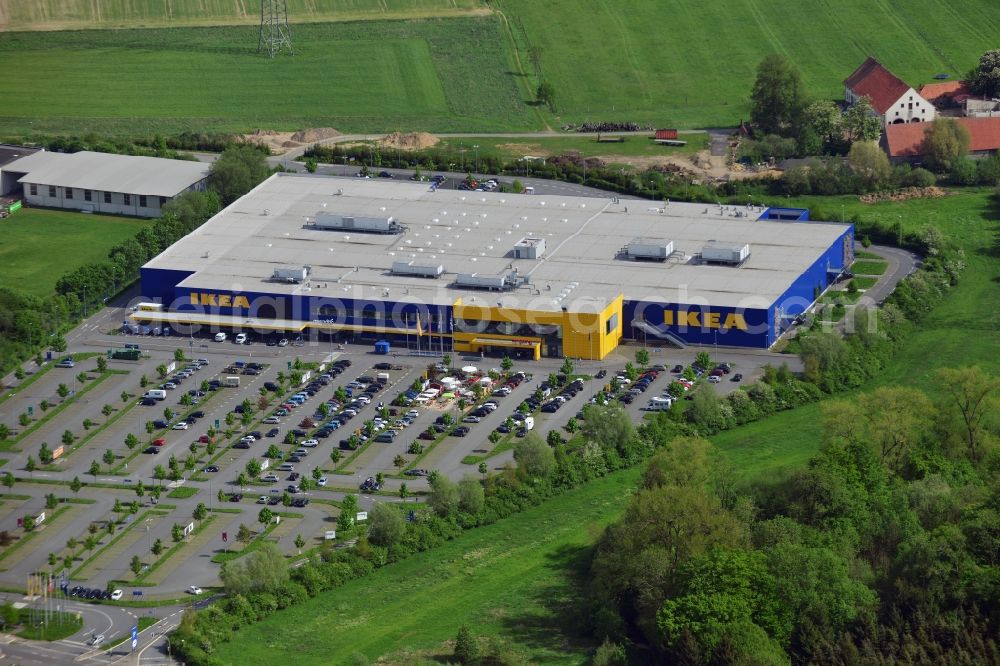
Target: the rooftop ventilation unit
(371, 225)
(725, 253)
(291, 275)
(412, 268)
(506, 281)
(529, 248)
(649, 249)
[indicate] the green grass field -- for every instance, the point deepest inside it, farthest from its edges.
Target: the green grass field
(516, 579)
(689, 63)
(440, 74)
(678, 63)
(71, 14)
(37, 247)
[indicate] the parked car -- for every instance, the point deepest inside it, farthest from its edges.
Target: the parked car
(194, 589)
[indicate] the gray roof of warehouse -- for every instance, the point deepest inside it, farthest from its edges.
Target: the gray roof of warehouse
(10, 153)
(130, 174)
(474, 232)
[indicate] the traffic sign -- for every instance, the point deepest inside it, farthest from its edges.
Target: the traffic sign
(216, 424)
(135, 636)
(225, 537)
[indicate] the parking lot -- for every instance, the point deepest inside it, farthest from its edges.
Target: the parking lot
(341, 416)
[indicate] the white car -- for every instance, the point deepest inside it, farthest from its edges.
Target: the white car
(182, 425)
(96, 640)
(194, 589)
(283, 342)
(310, 443)
(413, 413)
(220, 337)
(714, 379)
(321, 482)
(116, 595)
(240, 338)
(271, 420)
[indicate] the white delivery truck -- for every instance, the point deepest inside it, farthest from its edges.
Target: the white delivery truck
(155, 394)
(232, 381)
(382, 378)
(529, 422)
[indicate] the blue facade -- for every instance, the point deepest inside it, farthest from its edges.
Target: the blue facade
(814, 280)
(700, 325)
(159, 284)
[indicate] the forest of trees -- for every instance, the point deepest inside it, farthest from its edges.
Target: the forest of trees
(884, 549)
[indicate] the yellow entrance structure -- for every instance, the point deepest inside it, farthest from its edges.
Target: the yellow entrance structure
(585, 335)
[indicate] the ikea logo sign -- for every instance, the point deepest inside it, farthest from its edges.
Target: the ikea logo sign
(705, 320)
(220, 300)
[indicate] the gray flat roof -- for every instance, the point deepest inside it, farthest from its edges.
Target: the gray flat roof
(474, 232)
(10, 153)
(129, 174)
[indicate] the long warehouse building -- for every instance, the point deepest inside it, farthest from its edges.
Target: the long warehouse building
(531, 275)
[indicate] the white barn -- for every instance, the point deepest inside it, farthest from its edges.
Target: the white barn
(106, 183)
(893, 100)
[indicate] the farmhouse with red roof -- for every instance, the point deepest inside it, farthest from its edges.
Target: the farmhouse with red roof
(893, 100)
(905, 143)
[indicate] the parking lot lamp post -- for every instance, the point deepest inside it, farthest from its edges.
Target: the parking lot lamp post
(476, 147)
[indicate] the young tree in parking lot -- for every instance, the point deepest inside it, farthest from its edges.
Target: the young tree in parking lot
(75, 485)
(143, 381)
(178, 354)
(253, 467)
(109, 457)
(124, 395)
(265, 516)
(68, 437)
(4, 431)
(177, 533)
(8, 480)
(242, 481)
(446, 359)
(95, 469)
(161, 370)
(87, 424)
(91, 541)
(139, 488)
(211, 447)
(82, 377)
(299, 542)
(340, 395)
(133, 507)
(404, 492)
(187, 400)
(24, 419)
(204, 386)
(44, 454)
(483, 470)
(200, 512)
(335, 456)
(175, 474)
(704, 359)
(62, 391)
(102, 364)
(155, 493)
(131, 441)
(305, 484)
(221, 496)
(290, 438)
(44, 405)
(157, 547)
(348, 513)
(642, 357)
(273, 452)
(286, 499)
(244, 535)
(168, 413)
(230, 419)
(567, 367)
(135, 565)
(19, 374)
(159, 473)
(50, 501)
(399, 461)
(506, 364)
(317, 473)
(554, 439)
(150, 427)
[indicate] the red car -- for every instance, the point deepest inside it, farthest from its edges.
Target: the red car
(204, 439)
(159, 441)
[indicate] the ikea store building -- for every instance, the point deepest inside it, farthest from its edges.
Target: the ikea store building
(526, 275)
